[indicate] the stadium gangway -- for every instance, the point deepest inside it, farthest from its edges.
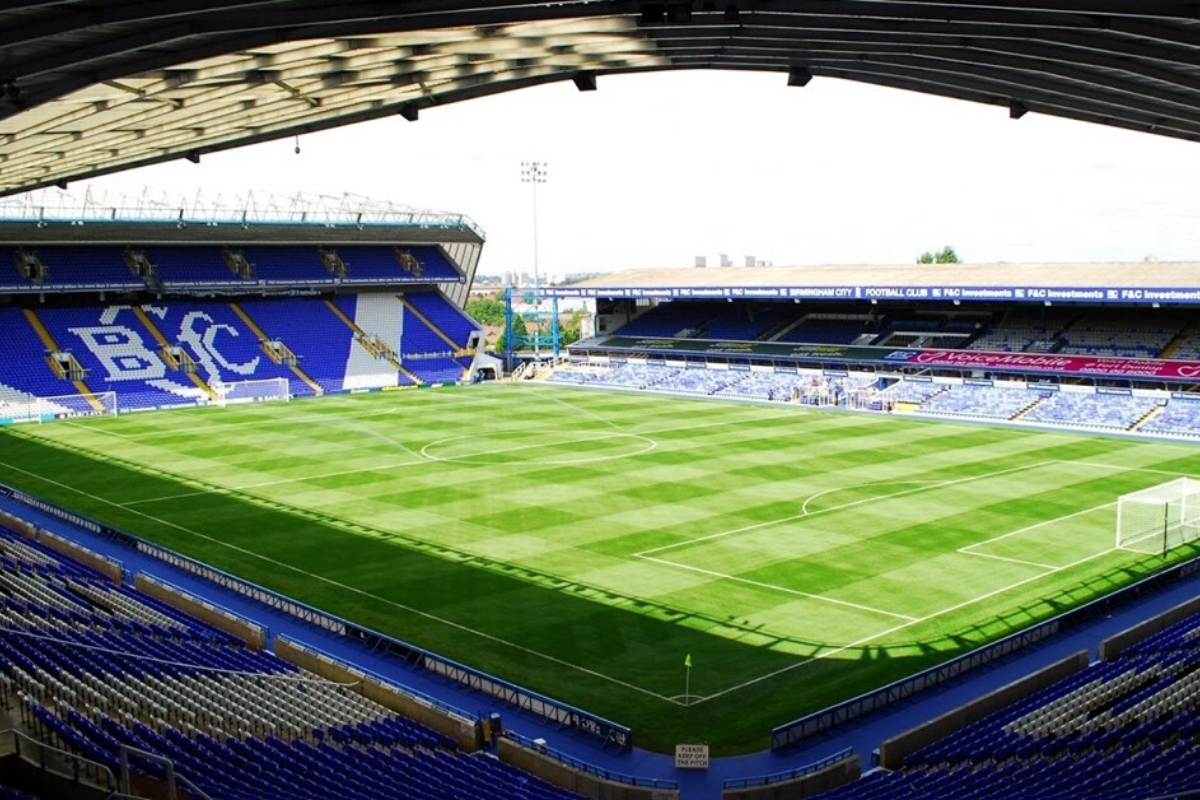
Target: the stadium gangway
(173, 778)
(564, 715)
(36, 752)
(591, 769)
(787, 775)
(799, 729)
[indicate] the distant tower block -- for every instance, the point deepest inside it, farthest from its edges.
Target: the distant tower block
(750, 262)
(726, 261)
(701, 261)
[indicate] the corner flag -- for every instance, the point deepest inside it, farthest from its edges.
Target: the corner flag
(687, 662)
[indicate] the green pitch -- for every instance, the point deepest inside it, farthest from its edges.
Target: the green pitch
(584, 543)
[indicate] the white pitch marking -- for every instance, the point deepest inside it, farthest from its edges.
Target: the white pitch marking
(1121, 468)
(795, 517)
(875, 636)
(352, 589)
(90, 429)
(1036, 525)
(967, 552)
(804, 508)
(230, 424)
(424, 460)
(774, 587)
(587, 413)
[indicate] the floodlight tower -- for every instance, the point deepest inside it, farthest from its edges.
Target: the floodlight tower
(534, 173)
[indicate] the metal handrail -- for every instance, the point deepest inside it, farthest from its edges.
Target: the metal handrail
(173, 778)
(787, 775)
(587, 767)
(74, 758)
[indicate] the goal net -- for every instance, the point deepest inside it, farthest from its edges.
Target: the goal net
(41, 409)
(1156, 519)
(252, 391)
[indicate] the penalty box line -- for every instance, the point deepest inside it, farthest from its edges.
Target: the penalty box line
(355, 590)
(1050, 570)
(970, 549)
(776, 588)
(831, 509)
(902, 626)
(646, 554)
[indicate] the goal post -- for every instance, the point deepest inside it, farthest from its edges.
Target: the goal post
(257, 391)
(1156, 519)
(42, 409)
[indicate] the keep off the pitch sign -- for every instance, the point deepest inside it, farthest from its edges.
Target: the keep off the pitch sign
(691, 756)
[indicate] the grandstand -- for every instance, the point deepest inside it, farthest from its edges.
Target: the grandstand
(1125, 726)
(358, 307)
(114, 675)
(580, 541)
(322, 331)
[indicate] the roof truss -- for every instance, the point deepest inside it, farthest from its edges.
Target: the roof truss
(87, 89)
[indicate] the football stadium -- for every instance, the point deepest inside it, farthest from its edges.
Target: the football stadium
(274, 522)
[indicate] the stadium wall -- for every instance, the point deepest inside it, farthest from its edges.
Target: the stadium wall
(26, 529)
(893, 751)
(1111, 647)
(823, 780)
(102, 564)
(587, 784)
(253, 634)
(461, 729)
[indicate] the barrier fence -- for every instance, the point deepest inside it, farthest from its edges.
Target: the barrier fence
(590, 769)
(792, 774)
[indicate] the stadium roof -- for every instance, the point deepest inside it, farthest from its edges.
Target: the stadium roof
(1117, 274)
(92, 88)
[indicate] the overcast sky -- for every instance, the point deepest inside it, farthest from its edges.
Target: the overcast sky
(652, 170)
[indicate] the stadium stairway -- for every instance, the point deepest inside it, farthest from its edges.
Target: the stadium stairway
(1178, 339)
(1148, 417)
(1027, 409)
(263, 341)
(364, 340)
(43, 333)
(164, 346)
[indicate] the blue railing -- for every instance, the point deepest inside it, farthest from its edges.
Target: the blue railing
(562, 714)
(791, 774)
(590, 769)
